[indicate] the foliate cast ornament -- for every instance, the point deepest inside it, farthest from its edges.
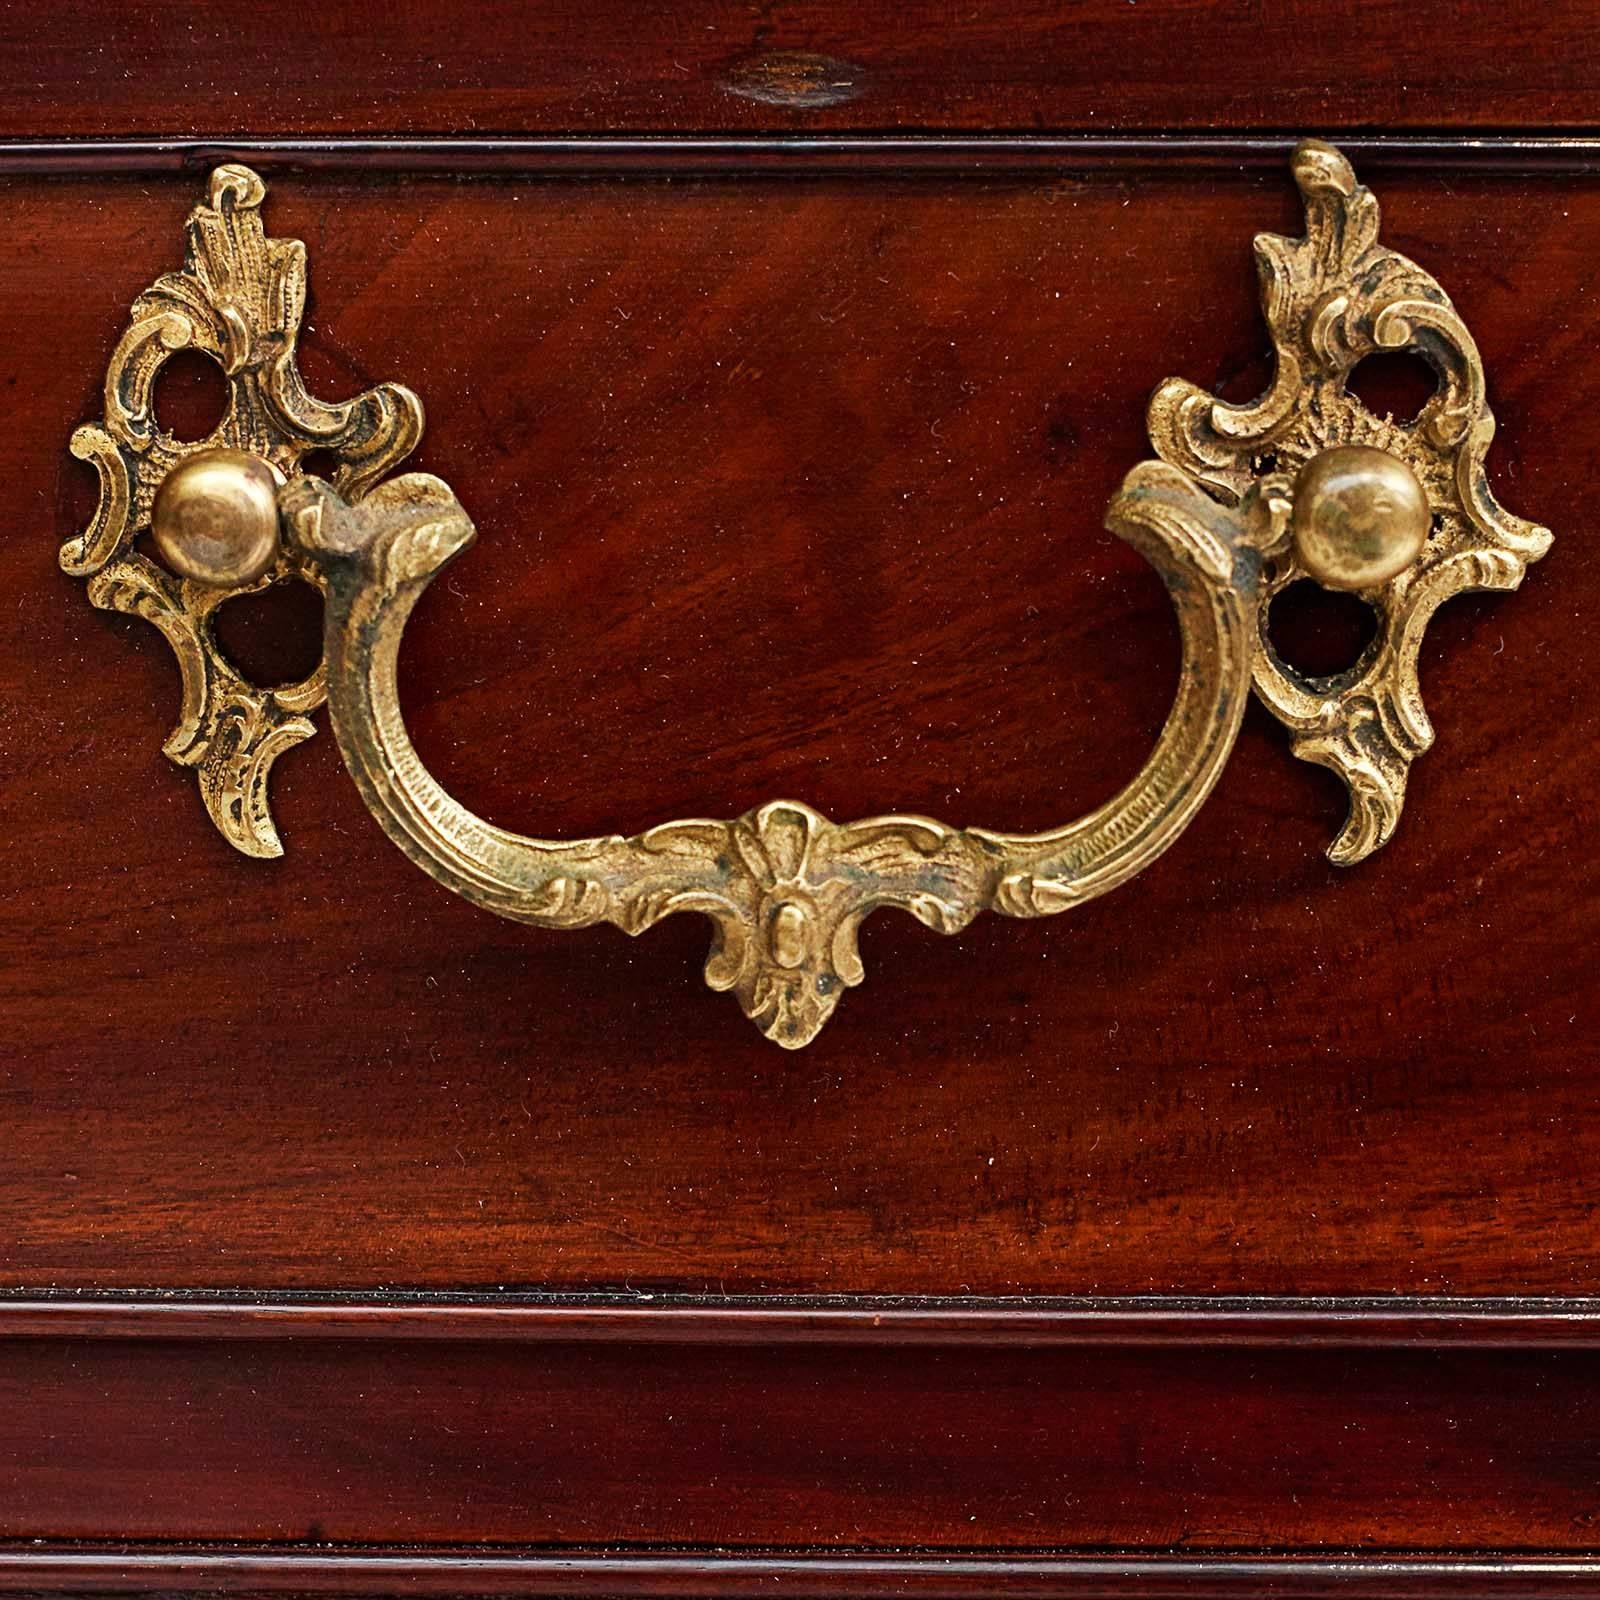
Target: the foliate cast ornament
(1245, 500)
(1331, 299)
(239, 299)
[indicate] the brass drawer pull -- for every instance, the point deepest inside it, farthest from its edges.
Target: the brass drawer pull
(1244, 500)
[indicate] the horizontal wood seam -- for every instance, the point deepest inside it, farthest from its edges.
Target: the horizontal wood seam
(942, 155)
(1361, 1322)
(46, 1569)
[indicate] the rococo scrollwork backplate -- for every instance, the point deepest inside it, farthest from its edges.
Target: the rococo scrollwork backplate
(1306, 482)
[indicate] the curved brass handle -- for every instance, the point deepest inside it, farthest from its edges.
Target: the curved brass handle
(785, 887)
(1247, 499)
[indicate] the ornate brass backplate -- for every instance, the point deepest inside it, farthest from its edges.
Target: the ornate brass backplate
(1246, 499)
(239, 298)
(1331, 299)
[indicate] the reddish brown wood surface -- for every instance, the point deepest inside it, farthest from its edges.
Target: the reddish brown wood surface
(106, 67)
(794, 488)
(306, 1441)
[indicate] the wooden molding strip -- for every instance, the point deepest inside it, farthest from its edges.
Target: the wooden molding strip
(740, 155)
(45, 1569)
(1358, 1322)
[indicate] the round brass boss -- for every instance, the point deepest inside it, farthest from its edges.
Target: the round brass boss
(215, 518)
(1360, 516)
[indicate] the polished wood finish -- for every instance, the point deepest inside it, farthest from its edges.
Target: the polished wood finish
(746, 1443)
(1247, 1072)
(1196, 1243)
(118, 67)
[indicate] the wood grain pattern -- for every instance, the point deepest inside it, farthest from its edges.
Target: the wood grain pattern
(99, 67)
(750, 1447)
(670, 407)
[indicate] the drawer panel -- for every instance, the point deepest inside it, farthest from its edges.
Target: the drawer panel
(793, 487)
(308, 1442)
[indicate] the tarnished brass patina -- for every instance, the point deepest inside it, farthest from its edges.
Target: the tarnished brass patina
(238, 299)
(215, 518)
(1331, 299)
(1360, 517)
(1306, 482)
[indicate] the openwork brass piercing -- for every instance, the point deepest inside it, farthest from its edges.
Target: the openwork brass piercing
(239, 298)
(1246, 499)
(1424, 529)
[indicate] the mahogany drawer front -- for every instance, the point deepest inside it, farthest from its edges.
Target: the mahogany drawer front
(762, 518)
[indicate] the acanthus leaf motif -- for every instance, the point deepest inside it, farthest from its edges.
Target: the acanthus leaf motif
(239, 300)
(785, 888)
(1329, 300)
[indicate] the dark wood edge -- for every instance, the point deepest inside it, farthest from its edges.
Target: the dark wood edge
(713, 1575)
(734, 155)
(1369, 1322)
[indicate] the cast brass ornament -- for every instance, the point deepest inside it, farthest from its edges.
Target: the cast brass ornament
(239, 299)
(1425, 526)
(1304, 483)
